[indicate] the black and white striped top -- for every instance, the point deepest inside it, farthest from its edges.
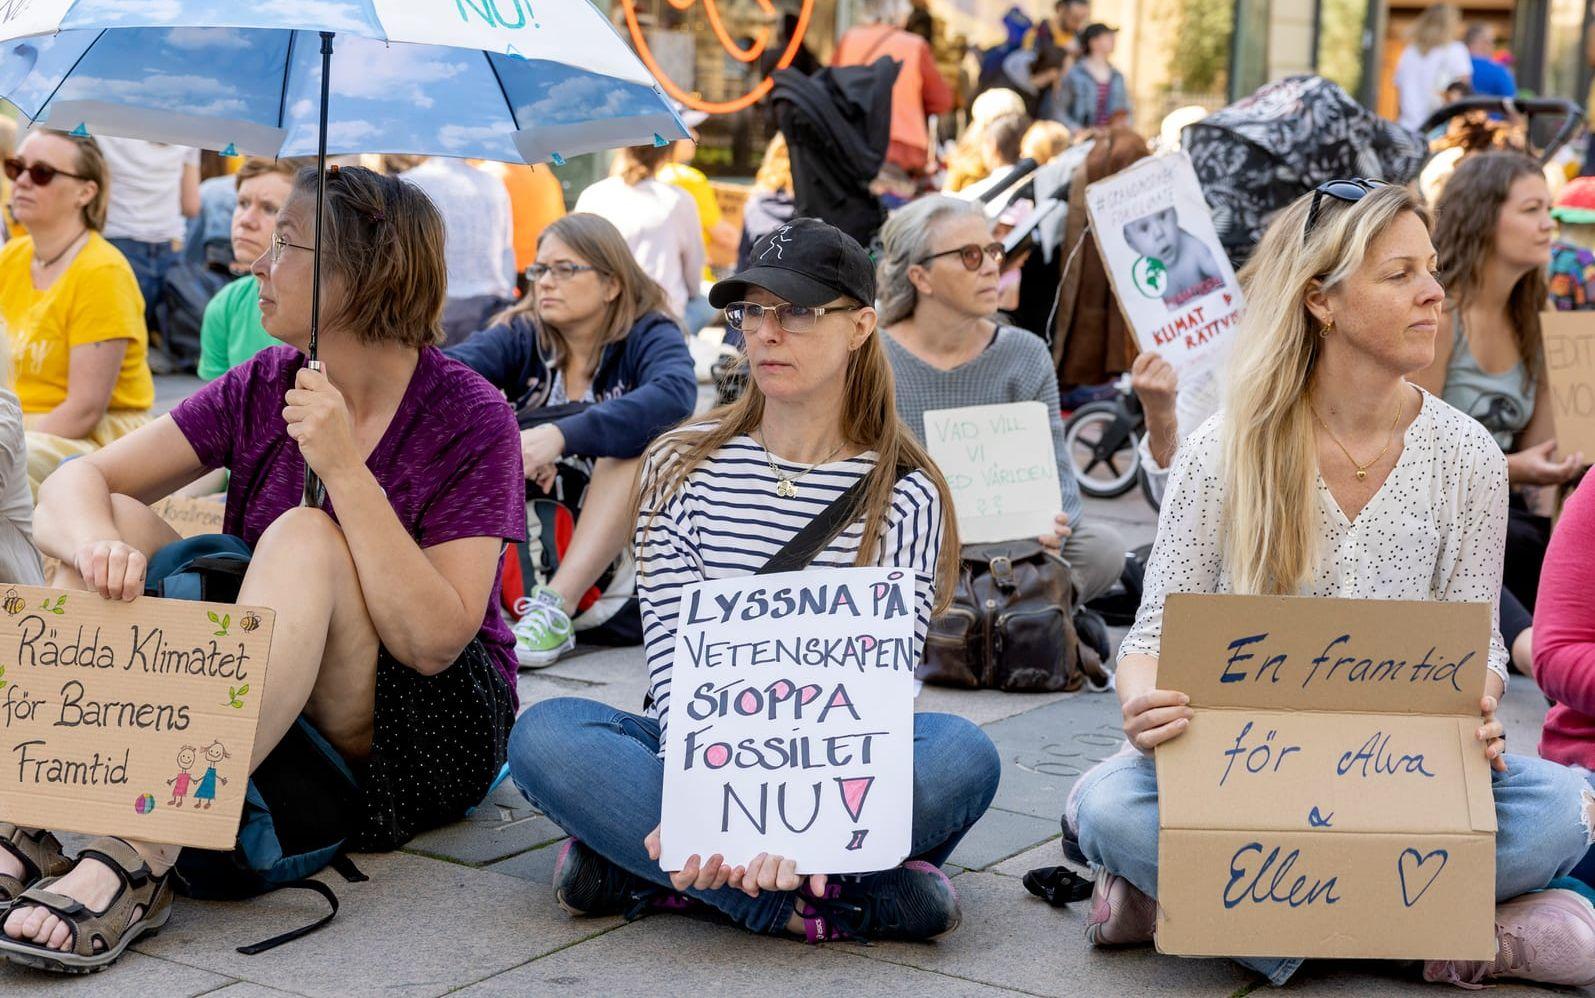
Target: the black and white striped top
(727, 521)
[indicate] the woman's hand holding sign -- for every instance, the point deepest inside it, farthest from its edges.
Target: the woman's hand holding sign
(1151, 716)
(1054, 541)
(114, 569)
(763, 873)
(1493, 732)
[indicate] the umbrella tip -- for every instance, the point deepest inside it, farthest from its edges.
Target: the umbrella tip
(556, 159)
(659, 141)
(231, 152)
(82, 131)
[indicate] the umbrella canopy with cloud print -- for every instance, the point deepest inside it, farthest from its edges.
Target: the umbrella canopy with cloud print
(508, 80)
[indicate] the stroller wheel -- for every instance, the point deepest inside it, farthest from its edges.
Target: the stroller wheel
(1102, 444)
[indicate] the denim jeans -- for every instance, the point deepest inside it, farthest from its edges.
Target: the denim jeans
(594, 770)
(1540, 834)
(1585, 870)
(150, 262)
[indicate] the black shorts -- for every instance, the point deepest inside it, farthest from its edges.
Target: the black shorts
(438, 743)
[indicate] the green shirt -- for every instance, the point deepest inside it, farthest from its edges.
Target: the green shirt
(232, 332)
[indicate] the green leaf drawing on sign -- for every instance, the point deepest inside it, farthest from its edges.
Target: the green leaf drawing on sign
(223, 622)
(58, 607)
(235, 697)
(3, 681)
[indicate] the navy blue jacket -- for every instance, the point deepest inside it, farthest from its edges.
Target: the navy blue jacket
(645, 383)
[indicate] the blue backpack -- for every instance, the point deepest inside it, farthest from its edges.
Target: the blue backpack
(278, 846)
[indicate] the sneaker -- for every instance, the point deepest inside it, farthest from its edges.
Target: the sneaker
(1120, 914)
(1547, 937)
(544, 632)
(914, 902)
(586, 883)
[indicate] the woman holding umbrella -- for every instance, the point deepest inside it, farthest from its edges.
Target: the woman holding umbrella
(387, 637)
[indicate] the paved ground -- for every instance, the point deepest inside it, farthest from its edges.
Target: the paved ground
(468, 908)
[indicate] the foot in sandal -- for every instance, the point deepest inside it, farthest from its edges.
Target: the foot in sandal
(26, 856)
(83, 921)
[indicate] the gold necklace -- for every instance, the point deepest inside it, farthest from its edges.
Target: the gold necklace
(1362, 469)
(786, 485)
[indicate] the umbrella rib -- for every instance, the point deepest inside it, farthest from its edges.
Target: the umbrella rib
(75, 63)
(287, 70)
(501, 89)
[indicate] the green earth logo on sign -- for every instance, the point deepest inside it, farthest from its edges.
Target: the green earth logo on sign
(1150, 276)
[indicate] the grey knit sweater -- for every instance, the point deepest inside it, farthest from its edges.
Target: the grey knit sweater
(1015, 367)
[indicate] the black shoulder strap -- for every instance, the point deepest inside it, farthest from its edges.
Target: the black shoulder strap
(807, 543)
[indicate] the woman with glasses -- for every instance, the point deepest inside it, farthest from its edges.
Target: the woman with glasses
(1329, 474)
(596, 371)
(940, 276)
(388, 639)
(717, 500)
(72, 306)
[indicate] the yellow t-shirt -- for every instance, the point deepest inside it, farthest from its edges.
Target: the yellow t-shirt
(692, 180)
(97, 299)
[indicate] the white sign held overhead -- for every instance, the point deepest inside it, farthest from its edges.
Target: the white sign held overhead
(1001, 468)
(791, 726)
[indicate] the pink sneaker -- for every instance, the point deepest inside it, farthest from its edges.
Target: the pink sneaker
(1120, 914)
(1547, 937)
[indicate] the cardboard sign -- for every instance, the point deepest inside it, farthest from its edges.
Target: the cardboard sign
(191, 517)
(1570, 366)
(1169, 272)
(132, 719)
(1001, 468)
(1329, 798)
(791, 725)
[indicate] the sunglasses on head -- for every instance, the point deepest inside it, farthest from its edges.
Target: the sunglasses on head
(40, 173)
(1349, 191)
(970, 255)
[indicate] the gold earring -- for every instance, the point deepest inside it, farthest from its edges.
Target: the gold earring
(1328, 327)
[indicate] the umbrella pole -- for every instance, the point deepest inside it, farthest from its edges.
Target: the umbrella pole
(313, 490)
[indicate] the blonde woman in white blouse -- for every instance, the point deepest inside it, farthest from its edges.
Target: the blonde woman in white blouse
(1327, 474)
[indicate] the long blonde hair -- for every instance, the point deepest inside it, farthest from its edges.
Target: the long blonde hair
(1270, 463)
(1436, 26)
(595, 240)
(869, 419)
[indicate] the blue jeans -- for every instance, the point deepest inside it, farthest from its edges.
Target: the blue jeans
(150, 262)
(1540, 833)
(1585, 870)
(594, 770)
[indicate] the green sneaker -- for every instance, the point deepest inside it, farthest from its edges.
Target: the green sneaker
(544, 632)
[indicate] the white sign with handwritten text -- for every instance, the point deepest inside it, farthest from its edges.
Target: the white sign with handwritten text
(791, 725)
(1001, 467)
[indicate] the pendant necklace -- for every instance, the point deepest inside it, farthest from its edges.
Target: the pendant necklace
(1362, 469)
(786, 485)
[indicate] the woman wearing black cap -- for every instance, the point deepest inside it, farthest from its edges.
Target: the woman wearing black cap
(1095, 94)
(717, 500)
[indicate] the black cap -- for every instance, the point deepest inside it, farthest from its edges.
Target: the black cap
(805, 262)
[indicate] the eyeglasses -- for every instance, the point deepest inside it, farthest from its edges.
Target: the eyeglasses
(40, 173)
(747, 316)
(562, 271)
(970, 255)
(278, 244)
(1349, 191)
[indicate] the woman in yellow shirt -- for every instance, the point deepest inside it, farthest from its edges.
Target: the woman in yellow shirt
(71, 305)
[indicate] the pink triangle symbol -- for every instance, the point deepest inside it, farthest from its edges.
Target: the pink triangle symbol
(854, 790)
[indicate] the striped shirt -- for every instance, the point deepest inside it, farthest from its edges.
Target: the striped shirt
(727, 521)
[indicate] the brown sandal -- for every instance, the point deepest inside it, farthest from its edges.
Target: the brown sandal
(98, 937)
(40, 854)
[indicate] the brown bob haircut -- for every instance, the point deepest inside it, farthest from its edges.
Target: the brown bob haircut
(382, 243)
(260, 166)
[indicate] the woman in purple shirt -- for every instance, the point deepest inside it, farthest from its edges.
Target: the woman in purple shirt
(387, 637)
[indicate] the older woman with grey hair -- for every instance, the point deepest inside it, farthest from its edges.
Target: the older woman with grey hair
(938, 288)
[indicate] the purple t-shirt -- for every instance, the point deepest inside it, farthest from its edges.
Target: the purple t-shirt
(450, 461)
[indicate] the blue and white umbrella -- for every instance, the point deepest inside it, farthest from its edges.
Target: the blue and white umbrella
(509, 80)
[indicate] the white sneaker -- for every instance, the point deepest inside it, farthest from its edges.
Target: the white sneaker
(543, 634)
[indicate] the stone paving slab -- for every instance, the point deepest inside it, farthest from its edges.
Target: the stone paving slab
(998, 835)
(982, 706)
(134, 974)
(612, 675)
(673, 955)
(1045, 750)
(1009, 939)
(244, 989)
(481, 842)
(418, 927)
(533, 864)
(1048, 853)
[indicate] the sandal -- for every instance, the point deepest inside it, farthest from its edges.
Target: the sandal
(40, 854)
(98, 937)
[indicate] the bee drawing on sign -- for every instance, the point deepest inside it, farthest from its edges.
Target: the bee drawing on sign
(13, 604)
(205, 793)
(250, 622)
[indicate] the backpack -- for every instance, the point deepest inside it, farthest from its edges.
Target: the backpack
(1012, 625)
(180, 308)
(278, 846)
